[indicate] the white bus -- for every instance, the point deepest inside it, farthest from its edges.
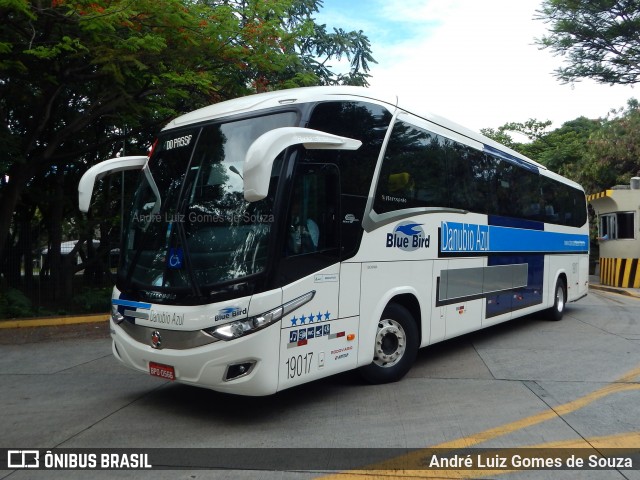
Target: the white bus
(283, 237)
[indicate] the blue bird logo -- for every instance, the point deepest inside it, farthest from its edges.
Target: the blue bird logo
(409, 229)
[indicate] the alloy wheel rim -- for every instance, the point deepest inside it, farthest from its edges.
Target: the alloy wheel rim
(390, 343)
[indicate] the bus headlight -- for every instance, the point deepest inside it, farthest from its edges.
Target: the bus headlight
(239, 328)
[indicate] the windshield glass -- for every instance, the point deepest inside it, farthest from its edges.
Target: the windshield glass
(190, 226)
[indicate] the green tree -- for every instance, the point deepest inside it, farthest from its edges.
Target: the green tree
(597, 153)
(564, 149)
(613, 153)
(82, 79)
(598, 39)
(532, 129)
(561, 150)
(500, 135)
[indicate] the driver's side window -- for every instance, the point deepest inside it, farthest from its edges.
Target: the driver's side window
(313, 210)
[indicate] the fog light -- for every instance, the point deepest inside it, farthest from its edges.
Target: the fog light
(238, 370)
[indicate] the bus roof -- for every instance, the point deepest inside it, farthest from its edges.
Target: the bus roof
(278, 98)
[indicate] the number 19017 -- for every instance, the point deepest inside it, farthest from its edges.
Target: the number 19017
(299, 365)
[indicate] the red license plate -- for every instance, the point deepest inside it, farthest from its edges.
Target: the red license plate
(163, 371)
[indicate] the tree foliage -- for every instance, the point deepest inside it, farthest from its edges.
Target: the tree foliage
(532, 129)
(598, 39)
(597, 153)
(563, 150)
(84, 80)
(613, 151)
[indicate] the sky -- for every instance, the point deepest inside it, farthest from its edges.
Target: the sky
(472, 61)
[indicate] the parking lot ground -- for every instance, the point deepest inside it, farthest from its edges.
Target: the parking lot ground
(527, 383)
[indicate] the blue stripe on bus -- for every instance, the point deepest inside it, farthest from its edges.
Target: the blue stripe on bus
(468, 238)
(502, 239)
(130, 303)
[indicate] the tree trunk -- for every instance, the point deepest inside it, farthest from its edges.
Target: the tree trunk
(19, 175)
(55, 238)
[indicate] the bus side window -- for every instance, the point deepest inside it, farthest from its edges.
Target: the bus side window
(413, 171)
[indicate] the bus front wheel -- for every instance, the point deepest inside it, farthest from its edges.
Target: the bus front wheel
(395, 348)
(559, 301)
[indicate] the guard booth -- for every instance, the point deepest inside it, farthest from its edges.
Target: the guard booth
(618, 221)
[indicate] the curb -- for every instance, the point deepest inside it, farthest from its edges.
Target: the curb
(54, 321)
(620, 291)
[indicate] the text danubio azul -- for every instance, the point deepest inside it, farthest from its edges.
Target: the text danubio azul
(464, 237)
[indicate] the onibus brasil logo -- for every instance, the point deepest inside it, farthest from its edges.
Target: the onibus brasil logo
(408, 236)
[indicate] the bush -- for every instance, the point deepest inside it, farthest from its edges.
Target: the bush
(14, 303)
(93, 300)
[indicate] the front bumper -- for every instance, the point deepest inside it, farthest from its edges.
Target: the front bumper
(206, 365)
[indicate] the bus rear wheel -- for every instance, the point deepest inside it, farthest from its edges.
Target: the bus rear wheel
(556, 312)
(395, 348)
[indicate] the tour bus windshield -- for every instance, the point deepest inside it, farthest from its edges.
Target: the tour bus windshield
(190, 226)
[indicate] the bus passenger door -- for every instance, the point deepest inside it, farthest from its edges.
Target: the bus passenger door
(314, 341)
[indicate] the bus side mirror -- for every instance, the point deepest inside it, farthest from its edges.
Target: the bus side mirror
(264, 150)
(88, 180)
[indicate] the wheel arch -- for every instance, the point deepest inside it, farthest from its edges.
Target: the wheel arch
(556, 311)
(560, 274)
(407, 297)
(411, 303)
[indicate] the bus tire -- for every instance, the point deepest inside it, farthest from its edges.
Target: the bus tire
(396, 346)
(556, 312)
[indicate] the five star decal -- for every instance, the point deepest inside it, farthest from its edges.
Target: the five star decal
(311, 318)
